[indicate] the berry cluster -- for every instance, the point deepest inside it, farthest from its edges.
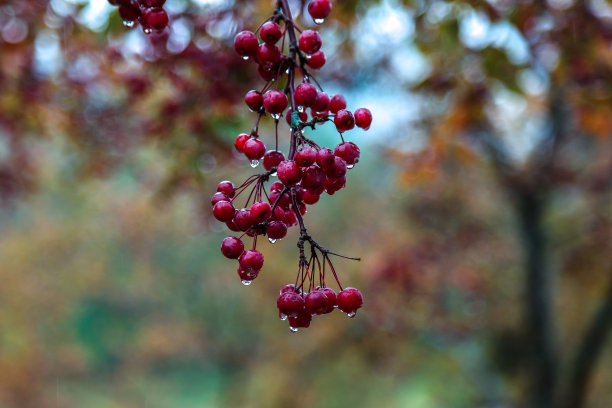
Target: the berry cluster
(149, 13)
(307, 171)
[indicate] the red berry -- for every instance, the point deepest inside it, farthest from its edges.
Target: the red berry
(219, 197)
(325, 158)
(301, 319)
(277, 185)
(240, 141)
(254, 100)
(243, 219)
(349, 300)
(155, 18)
(275, 101)
(276, 230)
(247, 275)
(266, 73)
(344, 120)
(270, 32)
(319, 9)
(337, 170)
(153, 3)
(261, 211)
(331, 299)
(246, 44)
(227, 188)
(232, 225)
(316, 60)
(291, 288)
(310, 198)
(321, 102)
(305, 94)
(290, 303)
(302, 115)
(285, 199)
(232, 247)
(129, 10)
(254, 149)
(349, 152)
(290, 218)
(278, 214)
(309, 42)
(316, 302)
(363, 118)
(313, 177)
(305, 156)
(334, 184)
(336, 103)
(268, 55)
(289, 173)
(252, 259)
(272, 158)
(223, 211)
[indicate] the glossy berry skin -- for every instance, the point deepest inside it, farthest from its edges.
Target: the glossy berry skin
(348, 151)
(129, 10)
(275, 101)
(325, 158)
(311, 198)
(334, 184)
(349, 300)
(224, 211)
(254, 100)
(285, 199)
(153, 3)
(289, 173)
(261, 211)
(321, 103)
(251, 259)
(270, 32)
(227, 188)
(272, 158)
(302, 115)
(309, 42)
(240, 141)
(247, 274)
(331, 299)
(305, 156)
(336, 103)
(305, 94)
(268, 55)
(246, 44)
(363, 118)
(316, 302)
(276, 230)
(277, 185)
(319, 9)
(254, 149)
(316, 60)
(232, 225)
(232, 247)
(290, 303)
(218, 197)
(313, 177)
(301, 319)
(265, 72)
(344, 120)
(290, 288)
(243, 219)
(155, 18)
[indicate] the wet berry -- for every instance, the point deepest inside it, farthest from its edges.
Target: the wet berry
(260, 211)
(336, 103)
(363, 118)
(254, 149)
(321, 103)
(319, 9)
(290, 303)
(313, 177)
(219, 197)
(227, 188)
(270, 32)
(155, 18)
(223, 211)
(272, 158)
(316, 302)
(348, 151)
(316, 60)
(344, 120)
(289, 173)
(240, 141)
(276, 230)
(232, 247)
(243, 219)
(275, 101)
(305, 156)
(252, 259)
(349, 300)
(301, 319)
(305, 94)
(309, 42)
(246, 44)
(254, 100)
(325, 158)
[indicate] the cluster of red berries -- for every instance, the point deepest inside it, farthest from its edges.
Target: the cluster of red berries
(306, 172)
(149, 13)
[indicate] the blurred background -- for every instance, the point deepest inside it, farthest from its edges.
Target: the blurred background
(481, 208)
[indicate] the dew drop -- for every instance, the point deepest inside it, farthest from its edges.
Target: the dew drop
(276, 116)
(351, 314)
(274, 174)
(319, 20)
(350, 166)
(305, 77)
(293, 329)
(245, 57)
(147, 30)
(301, 109)
(282, 316)
(248, 282)
(287, 71)
(254, 163)
(128, 23)
(272, 240)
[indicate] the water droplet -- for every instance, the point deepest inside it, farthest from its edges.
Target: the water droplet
(350, 166)
(245, 57)
(274, 174)
(282, 316)
(305, 77)
(319, 20)
(128, 23)
(293, 329)
(287, 71)
(276, 115)
(248, 282)
(254, 163)
(147, 30)
(272, 240)
(301, 109)
(351, 314)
